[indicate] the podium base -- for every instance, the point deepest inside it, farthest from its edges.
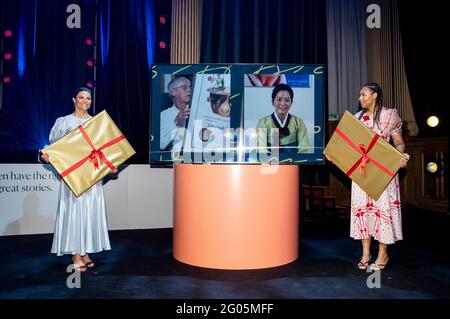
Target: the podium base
(236, 216)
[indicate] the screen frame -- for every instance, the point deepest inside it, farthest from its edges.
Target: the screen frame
(238, 71)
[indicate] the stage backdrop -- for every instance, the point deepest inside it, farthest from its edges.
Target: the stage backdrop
(140, 198)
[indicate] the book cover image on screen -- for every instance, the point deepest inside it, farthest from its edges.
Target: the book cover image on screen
(210, 113)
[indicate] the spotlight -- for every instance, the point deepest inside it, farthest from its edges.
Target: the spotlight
(7, 33)
(90, 41)
(432, 121)
(6, 79)
(90, 62)
(90, 84)
(435, 167)
(432, 167)
(162, 19)
(162, 44)
(7, 56)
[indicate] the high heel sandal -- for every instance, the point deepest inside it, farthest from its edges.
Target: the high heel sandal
(89, 263)
(80, 268)
(364, 264)
(376, 266)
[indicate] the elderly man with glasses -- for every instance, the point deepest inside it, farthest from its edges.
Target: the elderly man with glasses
(173, 119)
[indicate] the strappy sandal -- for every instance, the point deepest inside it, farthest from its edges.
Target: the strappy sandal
(376, 266)
(90, 263)
(79, 267)
(363, 265)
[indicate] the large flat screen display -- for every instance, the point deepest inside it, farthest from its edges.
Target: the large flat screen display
(237, 113)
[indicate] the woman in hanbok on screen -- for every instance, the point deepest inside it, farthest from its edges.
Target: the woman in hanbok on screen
(282, 129)
(81, 225)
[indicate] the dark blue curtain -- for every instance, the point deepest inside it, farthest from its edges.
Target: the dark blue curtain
(49, 62)
(264, 31)
(123, 83)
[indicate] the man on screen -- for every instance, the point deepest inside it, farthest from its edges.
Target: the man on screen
(173, 120)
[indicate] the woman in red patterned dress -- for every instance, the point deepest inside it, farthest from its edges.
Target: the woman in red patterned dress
(379, 219)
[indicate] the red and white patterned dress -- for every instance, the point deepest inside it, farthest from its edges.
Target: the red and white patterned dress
(380, 219)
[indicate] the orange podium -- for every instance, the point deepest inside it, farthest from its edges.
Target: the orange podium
(231, 216)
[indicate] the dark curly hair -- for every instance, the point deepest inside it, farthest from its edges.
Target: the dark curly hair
(374, 88)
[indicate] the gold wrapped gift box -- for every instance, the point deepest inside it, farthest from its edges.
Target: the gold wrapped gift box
(366, 158)
(88, 153)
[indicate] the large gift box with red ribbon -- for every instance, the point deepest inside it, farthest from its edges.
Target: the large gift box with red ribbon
(364, 156)
(88, 153)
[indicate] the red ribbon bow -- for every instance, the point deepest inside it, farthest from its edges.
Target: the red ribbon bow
(364, 159)
(95, 154)
(364, 155)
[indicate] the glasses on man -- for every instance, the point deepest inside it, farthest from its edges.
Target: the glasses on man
(184, 87)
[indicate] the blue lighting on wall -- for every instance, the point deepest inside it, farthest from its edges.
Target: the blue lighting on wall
(21, 47)
(138, 15)
(149, 31)
(35, 29)
(104, 29)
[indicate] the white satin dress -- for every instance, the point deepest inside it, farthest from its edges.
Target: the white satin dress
(81, 225)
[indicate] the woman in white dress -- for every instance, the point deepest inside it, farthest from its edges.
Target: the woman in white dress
(81, 225)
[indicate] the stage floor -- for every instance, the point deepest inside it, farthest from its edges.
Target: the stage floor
(140, 265)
